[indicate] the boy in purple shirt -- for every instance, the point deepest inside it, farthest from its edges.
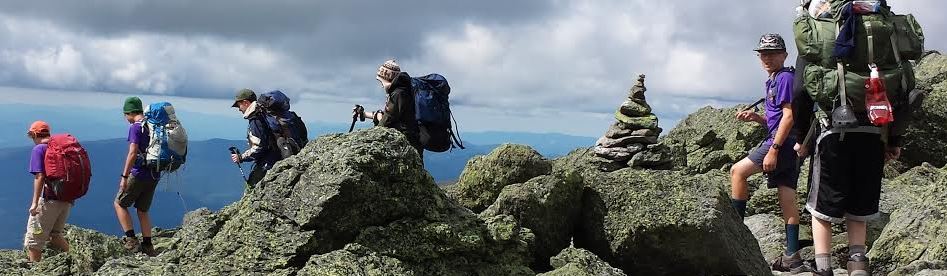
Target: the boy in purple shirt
(46, 210)
(775, 160)
(138, 183)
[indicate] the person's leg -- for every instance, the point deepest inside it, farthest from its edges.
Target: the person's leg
(123, 200)
(35, 239)
(787, 203)
(739, 190)
(57, 238)
(822, 240)
(143, 205)
(256, 175)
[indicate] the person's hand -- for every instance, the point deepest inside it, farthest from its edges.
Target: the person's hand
(235, 158)
(801, 151)
(749, 116)
(769, 162)
(892, 153)
(122, 184)
(34, 210)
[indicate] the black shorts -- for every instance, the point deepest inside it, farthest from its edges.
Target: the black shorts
(786, 173)
(845, 182)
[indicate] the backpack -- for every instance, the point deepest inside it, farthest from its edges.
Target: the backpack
(888, 40)
(286, 126)
(68, 169)
(432, 110)
(167, 147)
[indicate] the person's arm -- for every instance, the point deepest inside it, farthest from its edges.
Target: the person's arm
(393, 109)
(129, 162)
(259, 141)
(38, 180)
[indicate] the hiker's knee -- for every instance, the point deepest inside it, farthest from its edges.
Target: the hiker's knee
(742, 169)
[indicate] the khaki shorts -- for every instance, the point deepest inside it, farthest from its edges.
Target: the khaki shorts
(52, 219)
(137, 192)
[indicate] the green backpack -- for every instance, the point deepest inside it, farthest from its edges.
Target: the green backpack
(884, 38)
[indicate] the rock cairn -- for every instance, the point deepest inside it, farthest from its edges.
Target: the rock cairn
(632, 141)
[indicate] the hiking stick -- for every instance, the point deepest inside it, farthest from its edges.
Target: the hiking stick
(246, 181)
(358, 110)
(758, 102)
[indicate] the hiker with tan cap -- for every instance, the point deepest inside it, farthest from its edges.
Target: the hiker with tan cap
(262, 149)
(399, 110)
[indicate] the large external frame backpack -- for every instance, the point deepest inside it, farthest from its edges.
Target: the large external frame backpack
(432, 110)
(167, 147)
(883, 38)
(287, 128)
(67, 166)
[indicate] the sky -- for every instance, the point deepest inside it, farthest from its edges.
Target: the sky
(531, 66)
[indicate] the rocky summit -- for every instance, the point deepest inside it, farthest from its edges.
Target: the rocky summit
(362, 204)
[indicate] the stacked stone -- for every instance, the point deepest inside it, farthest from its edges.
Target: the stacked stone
(633, 139)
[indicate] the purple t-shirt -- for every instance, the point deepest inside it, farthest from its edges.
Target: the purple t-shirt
(137, 136)
(778, 93)
(37, 157)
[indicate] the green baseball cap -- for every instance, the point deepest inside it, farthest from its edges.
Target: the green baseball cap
(244, 95)
(132, 105)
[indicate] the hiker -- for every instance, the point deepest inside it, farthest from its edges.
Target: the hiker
(138, 183)
(262, 150)
(399, 110)
(862, 122)
(773, 157)
(48, 213)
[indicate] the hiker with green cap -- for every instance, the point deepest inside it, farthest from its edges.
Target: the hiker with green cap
(261, 143)
(399, 110)
(774, 156)
(137, 184)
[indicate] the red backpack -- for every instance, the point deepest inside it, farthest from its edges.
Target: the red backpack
(68, 170)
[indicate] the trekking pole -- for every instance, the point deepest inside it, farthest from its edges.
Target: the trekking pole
(358, 114)
(758, 102)
(233, 150)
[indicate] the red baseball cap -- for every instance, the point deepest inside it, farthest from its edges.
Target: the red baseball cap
(38, 127)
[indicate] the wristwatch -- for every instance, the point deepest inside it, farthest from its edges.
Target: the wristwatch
(776, 146)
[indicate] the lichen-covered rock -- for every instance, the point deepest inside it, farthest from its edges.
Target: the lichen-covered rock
(485, 176)
(770, 233)
(656, 156)
(354, 260)
(635, 108)
(927, 268)
(632, 217)
(634, 123)
(924, 140)
(141, 265)
(547, 205)
(14, 262)
(699, 141)
(917, 230)
(580, 262)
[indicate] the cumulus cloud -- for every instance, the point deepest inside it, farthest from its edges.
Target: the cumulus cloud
(521, 57)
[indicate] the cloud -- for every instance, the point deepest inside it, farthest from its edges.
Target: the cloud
(557, 58)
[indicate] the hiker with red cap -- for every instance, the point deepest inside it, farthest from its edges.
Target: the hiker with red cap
(47, 212)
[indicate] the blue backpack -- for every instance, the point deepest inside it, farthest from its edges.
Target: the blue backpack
(287, 128)
(167, 147)
(432, 110)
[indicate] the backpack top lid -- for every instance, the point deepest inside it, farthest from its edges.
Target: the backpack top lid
(160, 113)
(434, 82)
(274, 101)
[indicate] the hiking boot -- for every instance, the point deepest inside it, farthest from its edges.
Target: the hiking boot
(149, 250)
(792, 264)
(858, 265)
(130, 244)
